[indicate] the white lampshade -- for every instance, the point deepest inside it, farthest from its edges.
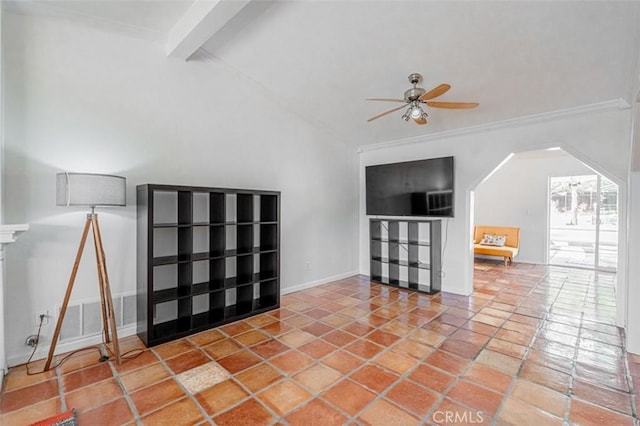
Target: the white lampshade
(88, 189)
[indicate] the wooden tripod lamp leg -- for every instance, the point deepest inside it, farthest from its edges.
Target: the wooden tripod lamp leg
(67, 294)
(105, 288)
(103, 304)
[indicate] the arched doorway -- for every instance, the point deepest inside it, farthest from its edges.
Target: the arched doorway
(567, 212)
(519, 192)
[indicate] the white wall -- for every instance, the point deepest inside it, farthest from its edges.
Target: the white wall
(599, 138)
(516, 195)
(3, 353)
(80, 99)
(633, 331)
(633, 237)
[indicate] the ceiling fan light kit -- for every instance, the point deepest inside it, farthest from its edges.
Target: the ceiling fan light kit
(415, 96)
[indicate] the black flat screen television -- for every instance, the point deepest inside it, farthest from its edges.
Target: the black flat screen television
(412, 188)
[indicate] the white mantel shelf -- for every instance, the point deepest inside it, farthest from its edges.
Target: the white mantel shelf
(9, 233)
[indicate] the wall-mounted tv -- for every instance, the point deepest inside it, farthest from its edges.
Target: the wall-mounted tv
(412, 188)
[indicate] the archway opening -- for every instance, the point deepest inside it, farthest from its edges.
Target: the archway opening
(567, 215)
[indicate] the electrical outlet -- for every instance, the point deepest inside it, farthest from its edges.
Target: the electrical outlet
(31, 340)
(307, 265)
(45, 320)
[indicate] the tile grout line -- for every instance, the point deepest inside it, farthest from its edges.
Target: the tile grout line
(191, 395)
(344, 377)
(380, 395)
(251, 394)
(405, 376)
(523, 358)
(458, 377)
(564, 310)
(123, 389)
(187, 392)
(634, 408)
(317, 361)
(514, 376)
(63, 399)
(173, 376)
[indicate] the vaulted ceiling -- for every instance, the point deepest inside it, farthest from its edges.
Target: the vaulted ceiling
(321, 59)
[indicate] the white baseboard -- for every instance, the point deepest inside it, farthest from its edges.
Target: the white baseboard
(64, 347)
(528, 262)
(515, 260)
(131, 329)
(315, 283)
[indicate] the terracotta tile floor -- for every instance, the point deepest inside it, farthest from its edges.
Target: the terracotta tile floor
(532, 345)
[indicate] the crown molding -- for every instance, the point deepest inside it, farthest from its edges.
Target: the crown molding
(612, 105)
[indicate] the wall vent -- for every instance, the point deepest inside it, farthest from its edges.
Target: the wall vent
(84, 319)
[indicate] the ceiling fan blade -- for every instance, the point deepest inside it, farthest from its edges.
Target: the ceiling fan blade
(385, 113)
(386, 100)
(420, 120)
(435, 92)
(453, 105)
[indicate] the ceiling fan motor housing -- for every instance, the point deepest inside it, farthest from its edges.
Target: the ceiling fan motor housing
(413, 94)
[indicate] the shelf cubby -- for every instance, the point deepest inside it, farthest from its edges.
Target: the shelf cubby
(200, 240)
(216, 207)
(185, 243)
(269, 206)
(268, 236)
(244, 269)
(216, 306)
(268, 293)
(185, 208)
(245, 208)
(216, 274)
(244, 238)
(268, 265)
(217, 240)
(244, 299)
(206, 256)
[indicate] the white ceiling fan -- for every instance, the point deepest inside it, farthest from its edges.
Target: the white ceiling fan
(416, 97)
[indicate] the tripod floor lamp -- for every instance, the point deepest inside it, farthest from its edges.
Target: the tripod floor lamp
(91, 190)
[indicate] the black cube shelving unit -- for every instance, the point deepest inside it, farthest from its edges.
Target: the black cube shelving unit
(406, 253)
(206, 257)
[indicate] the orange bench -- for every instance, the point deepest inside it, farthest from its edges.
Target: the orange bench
(508, 251)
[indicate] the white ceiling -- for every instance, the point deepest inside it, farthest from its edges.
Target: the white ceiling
(153, 17)
(323, 58)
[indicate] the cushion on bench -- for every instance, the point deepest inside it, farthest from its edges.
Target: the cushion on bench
(512, 233)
